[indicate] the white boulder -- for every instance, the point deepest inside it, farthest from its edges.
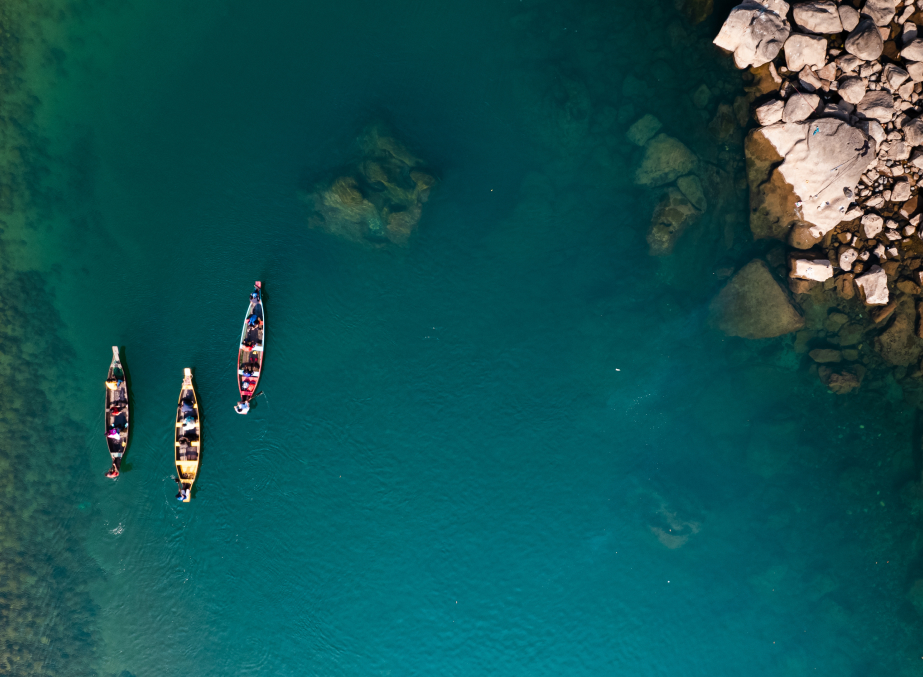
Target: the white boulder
(874, 286)
(805, 50)
(754, 32)
(770, 112)
(818, 16)
(864, 41)
(847, 257)
(808, 269)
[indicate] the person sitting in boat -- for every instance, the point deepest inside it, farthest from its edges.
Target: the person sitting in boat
(243, 406)
(183, 492)
(113, 383)
(253, 320)
(115, 410)
(114, 434)
(255, 296)
(113, 472)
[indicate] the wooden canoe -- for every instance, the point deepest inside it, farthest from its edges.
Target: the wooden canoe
(250, 350)
(188, 438)
(116, 413)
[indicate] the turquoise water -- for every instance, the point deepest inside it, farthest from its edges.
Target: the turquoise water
(511, 447)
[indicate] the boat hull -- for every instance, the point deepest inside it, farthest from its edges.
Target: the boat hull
(116, 413)
(187, 443)
(251, 348)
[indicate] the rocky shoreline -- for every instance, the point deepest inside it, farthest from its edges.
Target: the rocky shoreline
(834, 169)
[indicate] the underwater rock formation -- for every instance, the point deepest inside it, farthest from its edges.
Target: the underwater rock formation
(753, 305)
(665, 160)
(899, 345)
(672, 216)
(843, 381)
(377, 200)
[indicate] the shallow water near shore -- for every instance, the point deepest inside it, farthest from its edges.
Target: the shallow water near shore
(513, 446)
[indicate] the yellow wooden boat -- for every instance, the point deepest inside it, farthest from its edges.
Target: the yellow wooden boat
(188, 438)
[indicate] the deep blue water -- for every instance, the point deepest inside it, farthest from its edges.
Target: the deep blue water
(512, 447)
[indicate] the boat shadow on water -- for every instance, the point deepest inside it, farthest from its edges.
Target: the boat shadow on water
(126, 465)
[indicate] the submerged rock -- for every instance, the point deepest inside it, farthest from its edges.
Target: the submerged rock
(696, 10)
(665, 160)
(753, 305)
(672, 216)
(842, 381)
(379, 199)
(899, 344)
(644, 130)
(818, 270)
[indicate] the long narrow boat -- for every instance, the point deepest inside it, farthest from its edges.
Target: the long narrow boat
(116, 413)
(250, 351)
(188, 444)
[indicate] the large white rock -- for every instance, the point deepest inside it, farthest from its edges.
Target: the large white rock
(818, 16)
(915, 68)
(900, 191)
(805, 50)
(877, 105)
(770, 112)
(847, 257)
(874, 129)
(849, 17)
(800, 107)
(872, 224)
(913, 132)
(851, 88)
(913, 51)
(821, 158)
(874, 286)
(895, 76)
(880, 11)
(755, 32)
(864, 41)
(807, 269)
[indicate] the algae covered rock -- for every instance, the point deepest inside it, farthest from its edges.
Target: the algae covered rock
(377, 200)
(844, 381)
(753, 305)
(672, 216)
(665, 160)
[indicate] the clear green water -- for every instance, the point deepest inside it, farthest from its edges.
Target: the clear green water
(467, 447)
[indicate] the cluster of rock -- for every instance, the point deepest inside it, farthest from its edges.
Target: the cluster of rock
(667, 163)
(377, 200)
(834, 170)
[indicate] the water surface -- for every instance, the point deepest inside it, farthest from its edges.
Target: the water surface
(513, 447)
